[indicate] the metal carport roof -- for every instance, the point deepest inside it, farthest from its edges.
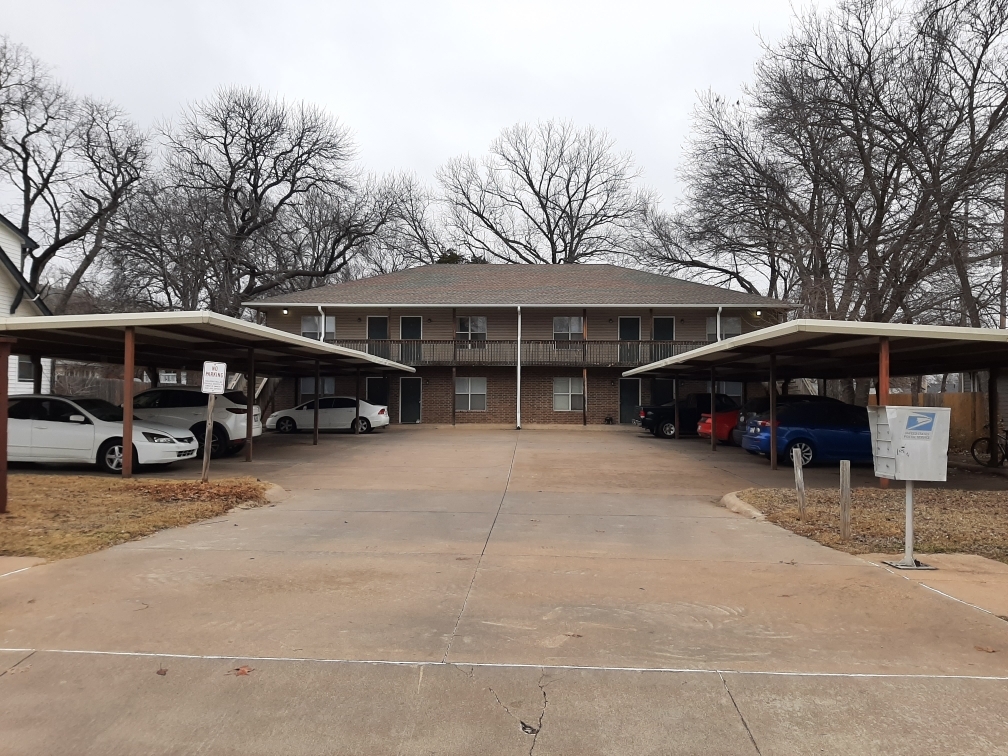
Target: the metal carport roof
(183, 340)
(807, 348)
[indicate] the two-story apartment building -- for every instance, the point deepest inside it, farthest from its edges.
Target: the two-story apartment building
(513, 343)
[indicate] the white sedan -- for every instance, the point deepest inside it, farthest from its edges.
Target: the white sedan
(43, 428)
(335, 413)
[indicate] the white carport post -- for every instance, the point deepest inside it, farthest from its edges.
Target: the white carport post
(128, 370)
(518, 375)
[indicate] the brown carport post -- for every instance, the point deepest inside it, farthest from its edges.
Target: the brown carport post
(882, 394)
(356, 419)
(992, 415)
(250, 400)
(5, 350)
(773, 412)
(318, 400)
(713, 406)
(129, 341)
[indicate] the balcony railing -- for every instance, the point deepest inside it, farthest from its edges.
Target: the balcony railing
(421, 352)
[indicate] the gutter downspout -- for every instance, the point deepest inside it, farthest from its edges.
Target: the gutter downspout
(321, 314)
(718, 322)
(518, 378)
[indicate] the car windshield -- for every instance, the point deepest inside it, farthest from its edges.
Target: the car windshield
(101, 409)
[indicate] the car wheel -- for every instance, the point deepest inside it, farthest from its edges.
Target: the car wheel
(667, 430)
(365, 424)
(110, 456)
(218, 440)
(807, 452)
(286, 425)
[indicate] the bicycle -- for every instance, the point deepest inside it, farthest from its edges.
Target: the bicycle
(981, 449)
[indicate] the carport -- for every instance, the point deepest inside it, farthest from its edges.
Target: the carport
(831, 349)
(175, 340)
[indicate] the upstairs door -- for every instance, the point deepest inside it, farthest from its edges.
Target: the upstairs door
(411, 329)
(629, 336)
(377, 333)
(664, 331)
(410, 397)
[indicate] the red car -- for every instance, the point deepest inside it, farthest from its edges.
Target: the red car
(726, 422)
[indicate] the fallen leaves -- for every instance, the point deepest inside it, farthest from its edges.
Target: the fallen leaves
(945, 520)
(986, 649)
(161, 671)
(242, 671)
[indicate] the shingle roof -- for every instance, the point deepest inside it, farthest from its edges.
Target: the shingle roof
(526, 285)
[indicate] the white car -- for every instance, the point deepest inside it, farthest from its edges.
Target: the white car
(43, 428)
(335, 413)
(186, 408)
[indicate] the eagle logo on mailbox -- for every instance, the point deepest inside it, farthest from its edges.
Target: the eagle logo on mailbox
(920, 425)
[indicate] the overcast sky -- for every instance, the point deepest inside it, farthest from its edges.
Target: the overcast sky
(419, 82)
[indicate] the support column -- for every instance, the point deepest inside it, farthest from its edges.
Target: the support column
(454, 376)
(129, 340)
(5, 350)
(518, 375)
(250, 402)
(584, 396)
(773, 412)
(36, 363)
(992, 415)
(318, 400)
(713, 407)
(882, 389)
(675, 399)
(356, 423)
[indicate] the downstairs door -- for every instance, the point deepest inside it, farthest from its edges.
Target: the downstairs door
(410, 395)
(629, 399)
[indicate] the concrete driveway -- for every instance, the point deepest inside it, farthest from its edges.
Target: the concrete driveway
(438, 590)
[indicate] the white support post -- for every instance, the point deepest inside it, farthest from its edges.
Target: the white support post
(908, 557)
(518, 376)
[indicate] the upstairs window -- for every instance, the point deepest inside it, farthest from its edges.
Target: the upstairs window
(729, 327)
(311, 324)
(568, 395)
(568, 329)
(470, 394)
(471, 328)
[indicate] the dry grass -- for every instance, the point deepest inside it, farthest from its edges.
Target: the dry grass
(59, 516)
(965, 522)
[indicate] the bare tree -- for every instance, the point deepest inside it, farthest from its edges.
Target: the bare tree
(548, 193)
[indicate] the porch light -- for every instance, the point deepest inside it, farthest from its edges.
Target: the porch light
(285, 311)
(759, 313)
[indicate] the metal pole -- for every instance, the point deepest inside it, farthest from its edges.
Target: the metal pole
(518, 376)
(250, 402)
(356, 422)
(129, 340)
(584, 396)
(454, 377)
(773, 412)
(318, 399)
(992, 415)
(5, 350)
(845, 500)
(882, 397)
(713, 406)
(36, 362)
(675, 398)
(908, 557)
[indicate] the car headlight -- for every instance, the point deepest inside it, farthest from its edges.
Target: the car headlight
(158, 438)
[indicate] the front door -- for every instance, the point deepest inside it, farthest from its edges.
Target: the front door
(377, 333)
(629, 336)
(410, 394)
(411, 329)
(629, 399)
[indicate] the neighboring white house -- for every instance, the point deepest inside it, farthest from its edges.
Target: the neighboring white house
(19, 299)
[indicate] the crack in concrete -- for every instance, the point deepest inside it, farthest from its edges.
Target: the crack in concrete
(479, 561)
(739, 712)
(19, 661)
(538, 728)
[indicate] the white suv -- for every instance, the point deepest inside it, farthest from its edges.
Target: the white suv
(186, 408)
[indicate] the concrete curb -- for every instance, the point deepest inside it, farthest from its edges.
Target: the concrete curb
(733, 503)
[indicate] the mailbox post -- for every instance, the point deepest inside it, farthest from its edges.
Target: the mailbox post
(908, 444)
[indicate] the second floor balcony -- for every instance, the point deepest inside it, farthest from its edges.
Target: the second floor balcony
(577, 353)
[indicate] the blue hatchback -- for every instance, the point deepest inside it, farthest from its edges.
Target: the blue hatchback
(824, 431)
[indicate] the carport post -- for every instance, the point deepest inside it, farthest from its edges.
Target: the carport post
(454, 378)
(36, 362)
(318, 400)
(713, 407)
(5, 350)
(250, 400)
(773, 412)
(129, 340)
(882, 389)
(675, 399)
(356, 419)
(992, 415)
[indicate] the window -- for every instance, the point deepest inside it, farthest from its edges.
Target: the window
(471, 328)
(729, 327)
(343, 402)
(25, 409)
(310, 327)
(147, 400)
(568, 329)
(568, 395)
(664, 329)
(308, 386)
(470, 394)
(26, 371)
(59, 412)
